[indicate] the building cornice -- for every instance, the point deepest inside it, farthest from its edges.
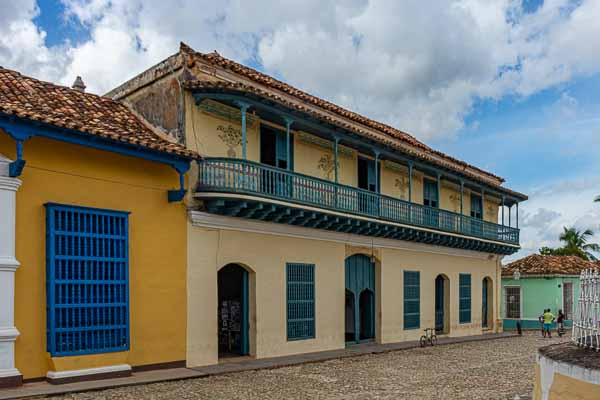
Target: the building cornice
(213, 221)
(11, 184)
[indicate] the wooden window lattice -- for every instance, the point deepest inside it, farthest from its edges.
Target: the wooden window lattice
(412, 300)
(300, 301)
(512, 296)
(464, 293)
(87, 282)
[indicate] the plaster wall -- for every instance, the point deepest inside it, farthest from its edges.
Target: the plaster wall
(74, 175)
(265, 256)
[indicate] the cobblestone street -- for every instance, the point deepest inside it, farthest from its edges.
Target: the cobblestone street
(495, 369)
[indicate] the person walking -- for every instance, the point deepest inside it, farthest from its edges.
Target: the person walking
(548, 319)
(541, 319)
(560, 321)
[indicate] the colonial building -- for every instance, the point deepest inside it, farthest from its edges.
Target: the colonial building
(93, 242)
(536, 282)
(311, 227)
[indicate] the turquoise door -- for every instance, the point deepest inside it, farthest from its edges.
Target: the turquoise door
(274, 152)
(439, 304)
(360, 299)
(477, 214)
(484, 303)
(430, 199)
(245, 348)
(369, 179)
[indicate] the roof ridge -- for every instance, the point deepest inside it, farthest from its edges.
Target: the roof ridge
(216, 58)
(42, 101)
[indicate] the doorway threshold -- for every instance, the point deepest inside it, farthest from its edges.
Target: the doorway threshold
(232, 359)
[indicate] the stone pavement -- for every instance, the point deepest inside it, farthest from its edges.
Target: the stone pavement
(237, 365)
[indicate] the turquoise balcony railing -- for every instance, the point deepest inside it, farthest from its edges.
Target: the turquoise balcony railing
(247, 177)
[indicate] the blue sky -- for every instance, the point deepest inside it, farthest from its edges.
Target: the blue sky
(510, 87)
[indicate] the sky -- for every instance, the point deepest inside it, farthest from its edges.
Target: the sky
(508, 85)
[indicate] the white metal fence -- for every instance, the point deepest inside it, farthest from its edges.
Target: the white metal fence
(586, 324)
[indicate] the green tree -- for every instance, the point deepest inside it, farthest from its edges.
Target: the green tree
(576, 243)
(549, 251)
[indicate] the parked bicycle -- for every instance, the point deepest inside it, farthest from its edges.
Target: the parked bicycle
(429, 338)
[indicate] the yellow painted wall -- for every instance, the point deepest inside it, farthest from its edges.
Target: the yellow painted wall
(565, 387)
(395, 262)
(202, 133)
(394, 183)
(76, 175)
(308, 158)
(266, 256)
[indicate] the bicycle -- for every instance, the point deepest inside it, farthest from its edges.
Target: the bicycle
(428, 338)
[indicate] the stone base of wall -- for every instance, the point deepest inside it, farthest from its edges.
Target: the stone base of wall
(564, 372)
(11, 381)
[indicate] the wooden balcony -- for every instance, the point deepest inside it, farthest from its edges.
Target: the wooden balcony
(334, 203)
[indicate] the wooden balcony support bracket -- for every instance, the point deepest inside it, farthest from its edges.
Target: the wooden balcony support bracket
(336, 142)
(410, 174)
(243, 109)
(462, 192)
(288, 123)
(502, 199)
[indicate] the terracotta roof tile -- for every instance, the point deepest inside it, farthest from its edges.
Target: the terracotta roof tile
(256, 76)
(387, 140)
(60, 106)
(537, 264)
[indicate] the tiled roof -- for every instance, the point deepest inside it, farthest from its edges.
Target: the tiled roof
(537, 264)
(385, 139)
(63, 107)
(258, 77)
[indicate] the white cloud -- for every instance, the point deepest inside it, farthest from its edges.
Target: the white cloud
(567, 203)
(416, 65)
(22, 45)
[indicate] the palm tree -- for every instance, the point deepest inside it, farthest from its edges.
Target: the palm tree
(576, 243)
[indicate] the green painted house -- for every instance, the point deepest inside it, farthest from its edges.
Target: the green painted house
(536, 282)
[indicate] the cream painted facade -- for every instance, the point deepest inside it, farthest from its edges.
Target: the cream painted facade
(265, 248)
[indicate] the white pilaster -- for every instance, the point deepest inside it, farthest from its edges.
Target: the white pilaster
(8, 266)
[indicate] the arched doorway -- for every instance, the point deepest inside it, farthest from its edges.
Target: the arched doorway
(442, 301)
(360, 299)
(233, 311)
(487, 303)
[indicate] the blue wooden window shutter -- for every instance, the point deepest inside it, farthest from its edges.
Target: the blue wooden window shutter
(412, 300)
(87, 280)
(464, 294)
(300, 301)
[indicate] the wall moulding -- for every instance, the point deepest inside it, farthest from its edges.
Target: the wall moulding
(227, 113)
(325, 144)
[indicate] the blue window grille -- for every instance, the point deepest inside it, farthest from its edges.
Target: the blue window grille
(300, 301)
(412, 300)
(464, 298)
(87, 282)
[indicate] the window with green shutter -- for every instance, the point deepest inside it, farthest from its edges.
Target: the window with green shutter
(464, 298)
(300, 280)
(412, 302)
